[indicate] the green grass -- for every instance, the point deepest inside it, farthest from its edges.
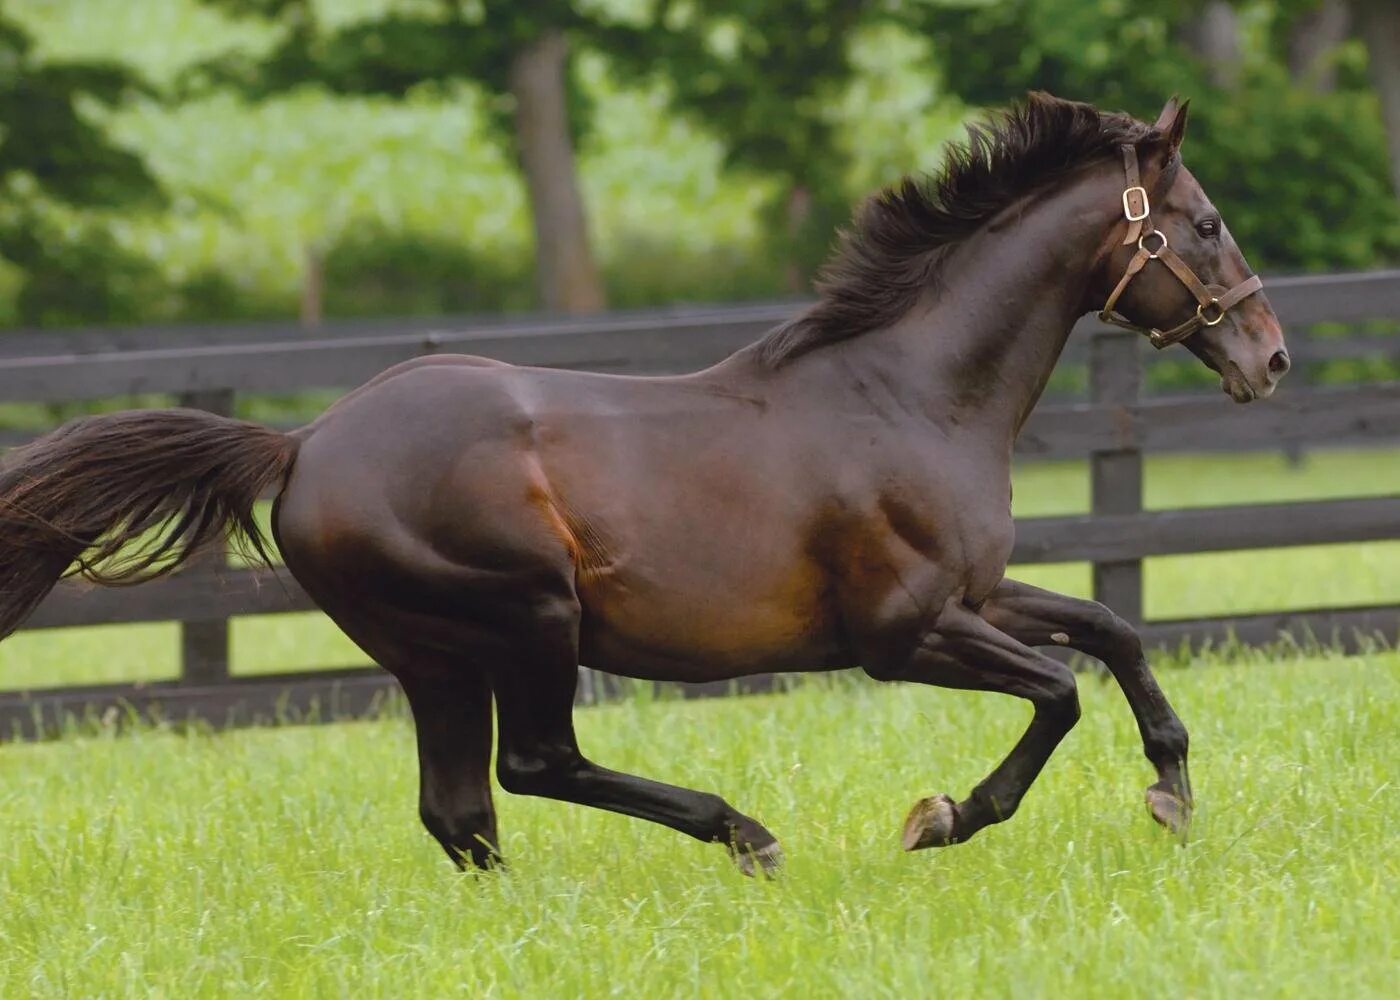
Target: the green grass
(289, 862)
(1176, 586)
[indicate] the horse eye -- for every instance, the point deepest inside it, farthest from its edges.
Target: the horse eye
(1209, 228)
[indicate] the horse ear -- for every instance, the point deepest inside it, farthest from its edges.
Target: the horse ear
(1172, 123)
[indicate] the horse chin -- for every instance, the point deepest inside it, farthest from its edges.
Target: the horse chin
(1234, 384)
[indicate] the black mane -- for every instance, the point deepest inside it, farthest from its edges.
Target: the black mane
(898, 237)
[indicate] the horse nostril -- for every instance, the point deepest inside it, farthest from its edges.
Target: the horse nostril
(1279, 363)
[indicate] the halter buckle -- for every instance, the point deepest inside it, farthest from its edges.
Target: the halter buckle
(1201, 312)
(1136, 195)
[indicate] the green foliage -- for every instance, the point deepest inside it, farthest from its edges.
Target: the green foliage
(371, 271)
(645, 270)
(1300, 177)
(389, 53)
(743, 69)
(1113, 53)
(763, 78)
(705, 128)
(78, 276)
(53, 159)
(750, 71)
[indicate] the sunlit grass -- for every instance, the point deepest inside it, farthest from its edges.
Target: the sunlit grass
(290, 862)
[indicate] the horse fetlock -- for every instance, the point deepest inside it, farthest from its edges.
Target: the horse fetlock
(1166, 744)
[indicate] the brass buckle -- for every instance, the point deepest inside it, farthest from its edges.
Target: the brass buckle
(1201, 312)
(1139, 192)
(1152, 254)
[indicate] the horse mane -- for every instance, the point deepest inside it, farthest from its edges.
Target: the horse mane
(899, 236)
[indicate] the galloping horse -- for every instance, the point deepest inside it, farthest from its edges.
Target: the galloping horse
(835, 495)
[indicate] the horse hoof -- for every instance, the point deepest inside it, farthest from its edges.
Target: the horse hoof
(764, 861)
(1170, 810)
(930, 823)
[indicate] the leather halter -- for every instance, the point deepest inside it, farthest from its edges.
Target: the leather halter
(1213, 298)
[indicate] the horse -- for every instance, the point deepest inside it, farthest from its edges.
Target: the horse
(834, 495)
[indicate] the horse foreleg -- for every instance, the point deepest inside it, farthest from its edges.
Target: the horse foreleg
(965, 652)
(1042, 618)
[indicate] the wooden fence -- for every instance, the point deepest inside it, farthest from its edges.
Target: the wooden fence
(208, 367)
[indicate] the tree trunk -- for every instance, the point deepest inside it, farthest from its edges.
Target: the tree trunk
(799, 210)
(1311, 42)
(313, 284)
(1214, 35)
(1378, 23)
(565, 271)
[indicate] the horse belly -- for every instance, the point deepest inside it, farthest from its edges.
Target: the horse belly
(655, 631)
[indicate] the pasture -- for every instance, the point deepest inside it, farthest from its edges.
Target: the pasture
(289, 862)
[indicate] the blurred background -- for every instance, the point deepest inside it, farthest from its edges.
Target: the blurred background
(172, 160)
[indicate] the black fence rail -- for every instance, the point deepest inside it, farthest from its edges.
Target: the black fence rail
(208, 367)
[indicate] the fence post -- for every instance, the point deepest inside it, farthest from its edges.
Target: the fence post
(1115, 379)
(204, 645)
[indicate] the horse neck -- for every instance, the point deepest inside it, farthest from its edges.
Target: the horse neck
(977, 353)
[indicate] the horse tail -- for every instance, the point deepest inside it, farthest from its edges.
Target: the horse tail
(127, 497)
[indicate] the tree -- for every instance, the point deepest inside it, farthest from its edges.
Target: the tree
(1378, 24)
(54, 160)
(521, 54)
(1301, 175)
(761, 77)
(1214, 35)
(1322, 42)
(1313, 34)
(744, 68)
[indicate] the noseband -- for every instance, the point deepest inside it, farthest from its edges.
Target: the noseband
(1212, 301)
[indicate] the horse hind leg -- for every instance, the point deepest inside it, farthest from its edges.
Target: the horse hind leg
(450, 700)
(451, 707)
(534, 684)
(452, 719)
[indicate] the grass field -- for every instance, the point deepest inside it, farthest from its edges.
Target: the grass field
(289, 862)
(1177, 586)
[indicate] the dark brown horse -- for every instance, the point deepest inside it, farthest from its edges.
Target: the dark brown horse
(836, 494)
